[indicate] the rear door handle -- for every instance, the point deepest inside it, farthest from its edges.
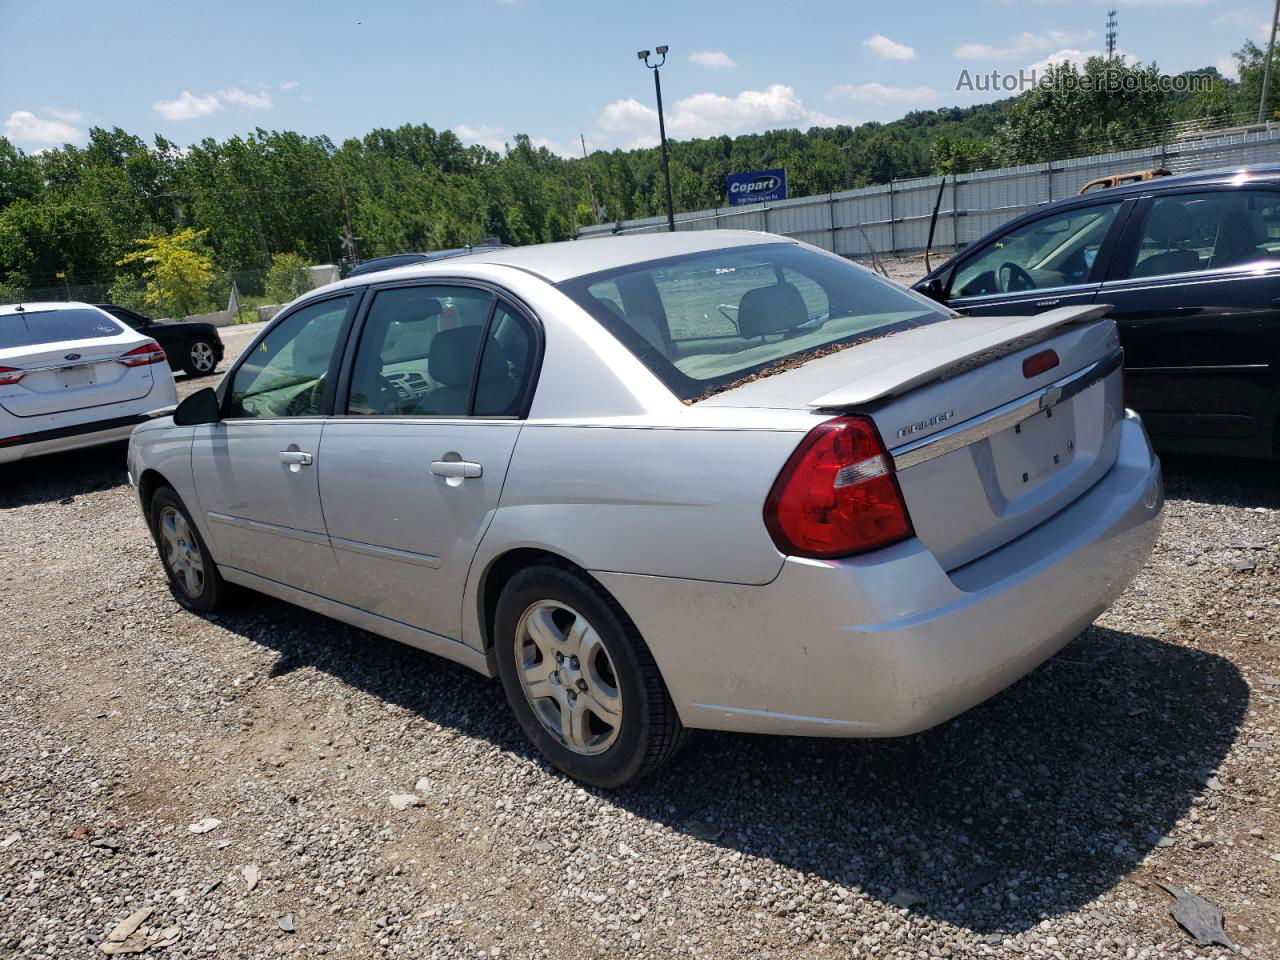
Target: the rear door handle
(295, 458)
(461, 469)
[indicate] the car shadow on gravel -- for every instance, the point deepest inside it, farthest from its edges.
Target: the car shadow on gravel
(58, 476)
(1223, 481)
(1028, 806)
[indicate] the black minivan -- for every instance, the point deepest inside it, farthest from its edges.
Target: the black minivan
(1191, 267)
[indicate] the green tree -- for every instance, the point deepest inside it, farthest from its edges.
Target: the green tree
(176, 270)
(288, 278)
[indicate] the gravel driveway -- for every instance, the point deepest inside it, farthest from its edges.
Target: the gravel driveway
(271, 783)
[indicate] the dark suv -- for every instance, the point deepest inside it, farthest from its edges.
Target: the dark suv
(1191, 267)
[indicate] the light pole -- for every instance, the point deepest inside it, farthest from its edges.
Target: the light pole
(662, 129)
(1266, 73)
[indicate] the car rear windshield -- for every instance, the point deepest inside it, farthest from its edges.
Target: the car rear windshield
(704, 321)
(34, 328)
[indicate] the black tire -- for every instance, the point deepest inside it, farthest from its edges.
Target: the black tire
(650, 732)
(212, 589)
(199, 357)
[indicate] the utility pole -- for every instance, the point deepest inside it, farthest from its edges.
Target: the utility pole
(1266, 72)
(662, 128)
(591, 190)
(352, 249)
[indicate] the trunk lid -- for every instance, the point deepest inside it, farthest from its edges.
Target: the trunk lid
(73, 375)
(982, 452)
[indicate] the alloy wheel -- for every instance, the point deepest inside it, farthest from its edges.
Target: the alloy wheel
(181, 553)
(568, 677)
(202, 356)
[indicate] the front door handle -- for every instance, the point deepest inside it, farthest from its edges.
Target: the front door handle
(459, 469)
(295, 458)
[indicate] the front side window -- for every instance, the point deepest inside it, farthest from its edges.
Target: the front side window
(286, 373)
(418, 351)
(703, 321)
(1207, 231)
(1055, 251)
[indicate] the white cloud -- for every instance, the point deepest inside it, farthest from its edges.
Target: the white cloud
(559, 149)
(711, 114)
(1023, 44)
(1068, 55)
(712, 59)
(187, 106)
(68, 116)
(23, 126)
(289, 85)
(880, 93)
(628, 114)
(1228, 67)
(250, 101)
(887, 49)
(494, 138)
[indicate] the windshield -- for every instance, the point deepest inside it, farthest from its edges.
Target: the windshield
(703, 321)
(34, 328)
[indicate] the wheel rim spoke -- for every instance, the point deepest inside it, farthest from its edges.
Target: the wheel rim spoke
(568, 677)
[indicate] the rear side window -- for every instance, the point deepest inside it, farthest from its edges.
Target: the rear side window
(704, 321)
(1188, 232)
(418, 352)
(34, 328)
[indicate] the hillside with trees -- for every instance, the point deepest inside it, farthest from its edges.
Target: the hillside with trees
(77, 215)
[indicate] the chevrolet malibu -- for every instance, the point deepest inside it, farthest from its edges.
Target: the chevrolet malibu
(712, 480)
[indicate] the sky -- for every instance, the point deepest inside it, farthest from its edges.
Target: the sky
(554, 69)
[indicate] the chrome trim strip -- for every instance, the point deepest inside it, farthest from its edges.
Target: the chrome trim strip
(1005, 416)
(71, 364)
(257, 526)
(386, 553)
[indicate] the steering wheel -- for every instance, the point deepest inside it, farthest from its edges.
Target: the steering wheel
(306, 402)
(1012, 278)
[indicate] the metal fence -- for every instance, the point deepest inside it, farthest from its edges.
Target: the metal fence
(894, 217)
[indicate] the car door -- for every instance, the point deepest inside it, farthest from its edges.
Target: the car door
(255, 470)
(1056, 260)
(433, 400)
(1195, 289)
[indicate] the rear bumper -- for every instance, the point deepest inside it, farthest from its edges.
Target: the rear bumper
(890, 643)
(75, 437)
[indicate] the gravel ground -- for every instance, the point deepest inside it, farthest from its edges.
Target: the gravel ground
(1038, 824)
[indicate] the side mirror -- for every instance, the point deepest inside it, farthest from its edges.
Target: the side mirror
(935, 290)
(201, 407)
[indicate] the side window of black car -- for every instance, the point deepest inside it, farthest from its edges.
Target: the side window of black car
(1209, 230)
(1057, 250)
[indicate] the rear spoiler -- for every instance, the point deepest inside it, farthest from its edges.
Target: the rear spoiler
(956, 358)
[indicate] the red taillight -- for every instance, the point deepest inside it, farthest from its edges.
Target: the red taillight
(10, 375)
(837, 495)
(149, 352)
(1039, 363)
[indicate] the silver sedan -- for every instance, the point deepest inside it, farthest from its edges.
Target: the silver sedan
(701, 480)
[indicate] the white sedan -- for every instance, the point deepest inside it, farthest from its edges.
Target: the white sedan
(699, 480)
(73, 376)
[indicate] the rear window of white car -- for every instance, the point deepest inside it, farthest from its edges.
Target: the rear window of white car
(35, 328)
(705, 321)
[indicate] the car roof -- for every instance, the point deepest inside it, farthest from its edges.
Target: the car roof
(557, 262)
(1230, 176)
(44, 306)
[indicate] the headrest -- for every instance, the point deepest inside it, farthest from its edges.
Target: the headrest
(1242, 228)
(771, 310)
(409, 307)
(453, 355)
(1170, 222)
